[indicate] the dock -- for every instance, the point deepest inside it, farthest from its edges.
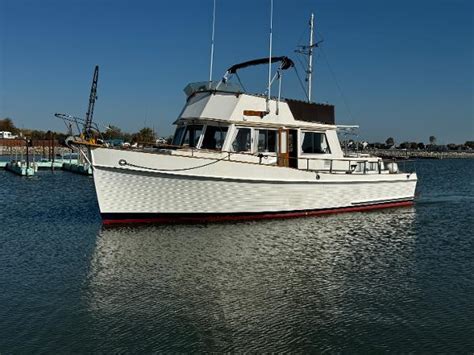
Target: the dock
(24, 157)
(78, 168)
(23, 168)
(20, 168)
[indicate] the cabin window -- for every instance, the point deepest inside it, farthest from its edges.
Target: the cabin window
(214, 137)
(315, 143)
(191, 135)
(267, 140)
(178, 135)
(242, 141)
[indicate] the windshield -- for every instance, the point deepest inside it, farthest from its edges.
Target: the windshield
(178, 136)
(214, 137)
(187, 135)
(193, 88)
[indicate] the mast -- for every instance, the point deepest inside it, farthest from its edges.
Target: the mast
(310, 55)
(307, 50)
(270, 57)
(212, 41)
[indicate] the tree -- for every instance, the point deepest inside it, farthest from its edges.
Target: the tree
(404, 145)
(113, 132)
(390, 142)
(469, 144)
(421, 145)
(145, 135)
(127, 137)
(6, 124)
(432, 140)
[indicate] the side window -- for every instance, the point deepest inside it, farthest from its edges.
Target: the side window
(267, 140)
(191, 135)
(214, 137)
(242, 141)
(314, 142)
(178, 136)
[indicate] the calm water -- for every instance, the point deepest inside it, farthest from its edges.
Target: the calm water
(398, 280)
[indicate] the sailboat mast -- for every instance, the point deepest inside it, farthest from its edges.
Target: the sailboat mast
(310, 55)
(270, 57)
(212, 41)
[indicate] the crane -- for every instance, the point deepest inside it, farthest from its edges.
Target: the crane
(88, 132)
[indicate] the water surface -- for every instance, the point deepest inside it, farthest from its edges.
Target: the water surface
(396, 280)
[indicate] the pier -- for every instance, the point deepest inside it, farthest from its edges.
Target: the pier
(22, 168)
(25, 157)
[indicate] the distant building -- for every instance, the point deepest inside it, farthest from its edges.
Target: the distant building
(7, 135)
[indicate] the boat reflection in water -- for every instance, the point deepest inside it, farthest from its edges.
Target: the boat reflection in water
(253, 286)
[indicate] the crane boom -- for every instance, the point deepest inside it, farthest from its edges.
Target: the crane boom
(90, 110)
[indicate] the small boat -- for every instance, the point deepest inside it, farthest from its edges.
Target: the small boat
(238, 156)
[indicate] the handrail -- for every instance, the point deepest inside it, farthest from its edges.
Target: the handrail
(264, 154)
(352, 163)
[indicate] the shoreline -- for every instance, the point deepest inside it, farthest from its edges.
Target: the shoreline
(383, 153)
(419, 154)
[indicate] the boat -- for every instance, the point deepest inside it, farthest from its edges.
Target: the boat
(239, 156)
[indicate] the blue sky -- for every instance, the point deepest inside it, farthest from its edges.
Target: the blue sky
(405, 67)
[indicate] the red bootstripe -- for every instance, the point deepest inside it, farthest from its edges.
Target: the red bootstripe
(242, 217)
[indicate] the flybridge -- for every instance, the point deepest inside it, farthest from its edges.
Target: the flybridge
(300, 110)
(225, 86)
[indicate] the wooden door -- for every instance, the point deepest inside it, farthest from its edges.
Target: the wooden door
(283, 151)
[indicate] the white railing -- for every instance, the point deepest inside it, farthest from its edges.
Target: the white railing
(334, 165)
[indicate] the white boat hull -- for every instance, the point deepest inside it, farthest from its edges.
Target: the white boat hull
(167, 188)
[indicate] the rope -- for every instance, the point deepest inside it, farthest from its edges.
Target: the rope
(123, 162)
(301, 83)
(344, 100)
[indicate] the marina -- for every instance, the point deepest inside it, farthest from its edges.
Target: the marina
(251, 214)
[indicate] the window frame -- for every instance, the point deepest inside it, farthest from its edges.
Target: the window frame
(302, 137)
(201, 141)
(196, 141)
(256, 139)
(234, 137)
(178, 128)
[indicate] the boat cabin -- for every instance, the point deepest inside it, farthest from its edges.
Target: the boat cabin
(221, 117)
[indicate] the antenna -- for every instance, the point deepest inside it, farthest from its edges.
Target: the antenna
(212, 41)
(270, 57)
(310, 55)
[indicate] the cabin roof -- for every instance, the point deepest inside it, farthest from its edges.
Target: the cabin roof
(235, 106)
